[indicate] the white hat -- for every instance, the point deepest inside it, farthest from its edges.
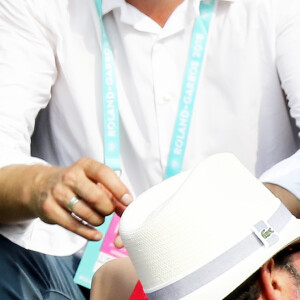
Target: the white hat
(200, 234)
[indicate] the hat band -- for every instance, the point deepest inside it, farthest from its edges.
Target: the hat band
(222, 263)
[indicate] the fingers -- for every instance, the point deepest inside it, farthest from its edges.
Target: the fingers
(99, 190)
(118, 242)
(95, 195)
(56, 214)
(63, 194)
(86, 213)
(108, 178)
(119, 208)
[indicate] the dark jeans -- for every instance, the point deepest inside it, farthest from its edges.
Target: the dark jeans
(29, 275)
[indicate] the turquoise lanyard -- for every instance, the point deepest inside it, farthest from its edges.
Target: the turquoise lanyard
(112, 156)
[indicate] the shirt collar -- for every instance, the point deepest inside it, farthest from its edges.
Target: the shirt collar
(109, 5)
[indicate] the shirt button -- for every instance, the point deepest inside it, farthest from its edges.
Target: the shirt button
(166, 99)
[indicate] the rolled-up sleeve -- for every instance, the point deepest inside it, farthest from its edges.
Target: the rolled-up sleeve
(27, 73)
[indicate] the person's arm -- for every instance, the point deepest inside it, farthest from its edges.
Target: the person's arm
(29, 187)
(115, 280)
(286, 197)
(283, 179)
(44, 191)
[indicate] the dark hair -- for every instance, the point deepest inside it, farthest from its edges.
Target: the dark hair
(250, 289)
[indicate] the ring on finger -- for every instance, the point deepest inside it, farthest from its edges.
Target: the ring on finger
(71, 203)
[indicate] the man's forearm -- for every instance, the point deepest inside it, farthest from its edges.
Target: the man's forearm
(46, 192)
(16, 191)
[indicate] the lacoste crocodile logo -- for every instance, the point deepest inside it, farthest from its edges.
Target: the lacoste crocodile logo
(266, 233)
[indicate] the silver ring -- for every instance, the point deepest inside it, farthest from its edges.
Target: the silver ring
(71, 203)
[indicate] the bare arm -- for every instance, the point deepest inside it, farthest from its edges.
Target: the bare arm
(115, 280)
(28, 71)
(287, 198)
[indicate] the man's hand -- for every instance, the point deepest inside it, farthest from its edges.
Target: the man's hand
(45, 192)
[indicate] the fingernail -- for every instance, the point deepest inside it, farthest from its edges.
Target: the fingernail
(126, 199)
(119, 242)
(98, 236)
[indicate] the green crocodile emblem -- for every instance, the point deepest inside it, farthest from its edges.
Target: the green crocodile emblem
(266, 233)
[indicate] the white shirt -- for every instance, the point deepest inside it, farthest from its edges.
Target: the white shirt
(50, 52)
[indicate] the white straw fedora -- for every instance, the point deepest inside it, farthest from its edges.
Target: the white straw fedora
(200, 234)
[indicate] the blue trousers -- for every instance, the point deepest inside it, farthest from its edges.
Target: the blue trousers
(29, 275)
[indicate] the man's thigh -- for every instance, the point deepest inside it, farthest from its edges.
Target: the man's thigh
(29, 275)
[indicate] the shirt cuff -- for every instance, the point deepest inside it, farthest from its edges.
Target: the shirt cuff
(13, 158)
